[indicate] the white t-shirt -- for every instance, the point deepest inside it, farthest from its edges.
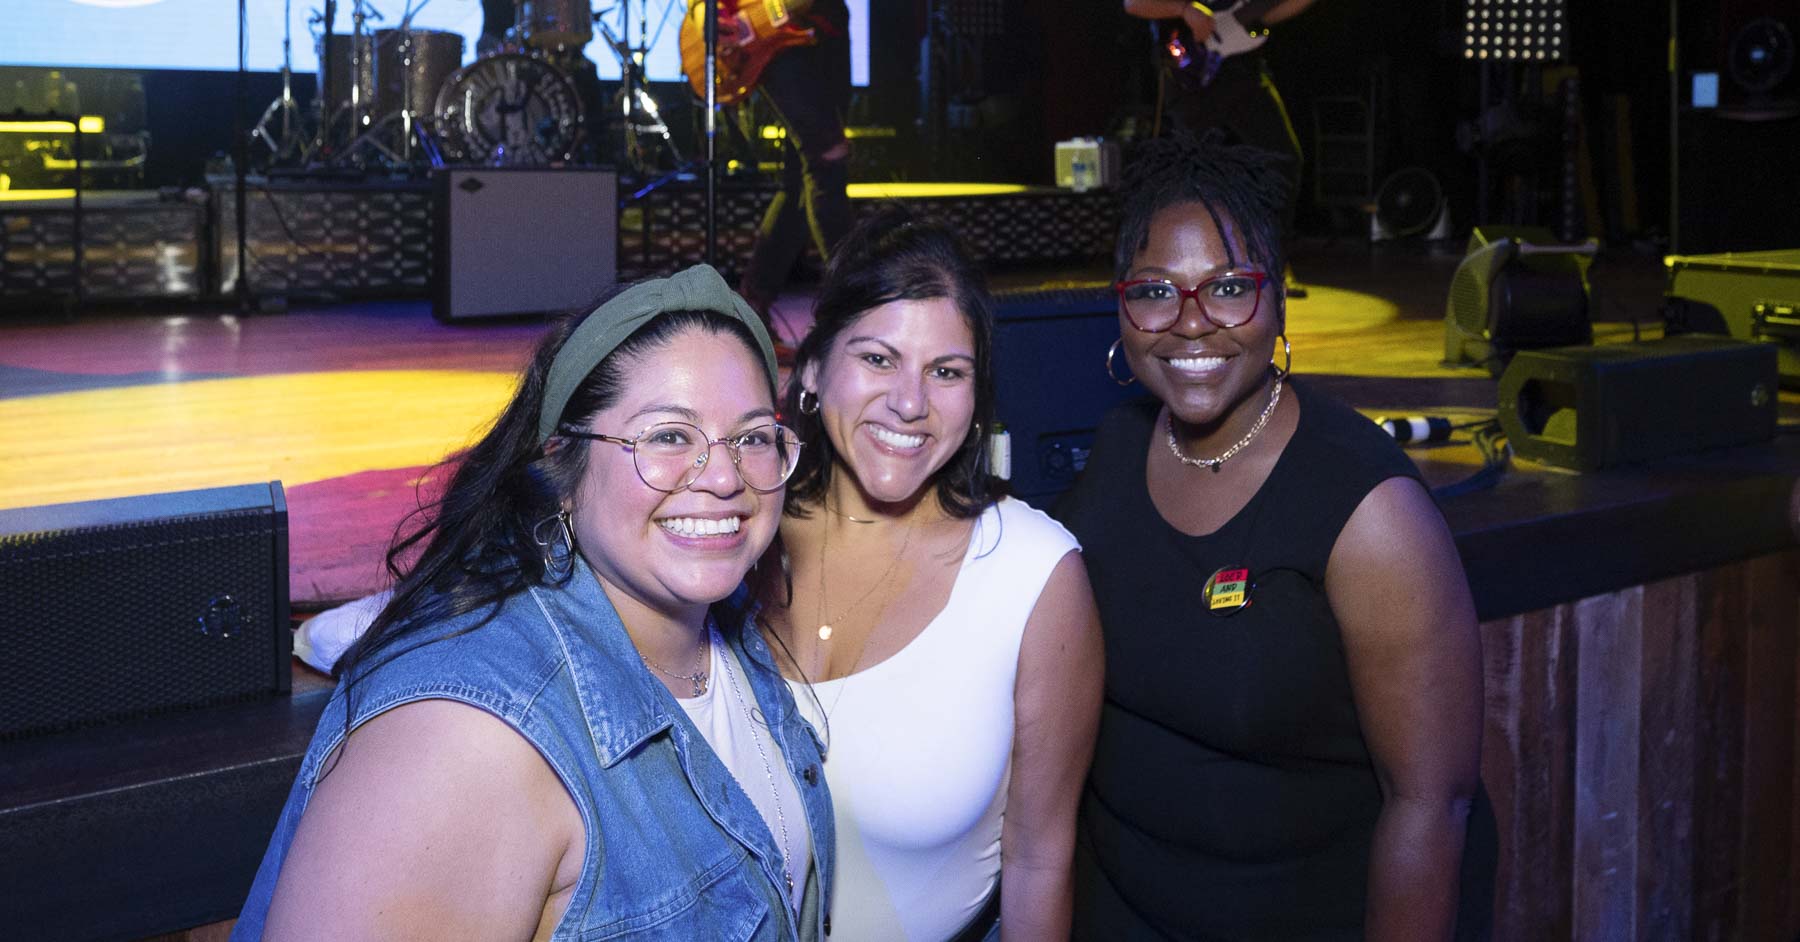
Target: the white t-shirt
(726, 727)
(921, 744)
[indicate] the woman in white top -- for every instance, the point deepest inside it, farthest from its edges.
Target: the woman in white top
(945, 644)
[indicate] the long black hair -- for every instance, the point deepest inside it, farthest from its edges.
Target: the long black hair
(480, 539)
(895, 255)
(1233, 181)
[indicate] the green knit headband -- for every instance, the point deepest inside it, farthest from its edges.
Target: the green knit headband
(699, 288)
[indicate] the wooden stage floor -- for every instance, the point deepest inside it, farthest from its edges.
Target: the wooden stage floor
(349, 406)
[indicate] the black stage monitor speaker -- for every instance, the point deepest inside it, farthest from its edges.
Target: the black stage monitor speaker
(1051, 387)
(1588, 408)
(514, 241)
(118, 608)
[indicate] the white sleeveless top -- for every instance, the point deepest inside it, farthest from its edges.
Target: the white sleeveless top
(727, 728)
(921, 744)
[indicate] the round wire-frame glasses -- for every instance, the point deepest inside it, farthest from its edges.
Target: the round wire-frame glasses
(1230, 299)
(670, 456)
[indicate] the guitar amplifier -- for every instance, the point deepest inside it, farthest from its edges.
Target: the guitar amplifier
(119, 608)
(513, 241)
(1757, 295)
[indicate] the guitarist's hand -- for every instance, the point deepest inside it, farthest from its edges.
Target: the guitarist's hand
(1199, 23)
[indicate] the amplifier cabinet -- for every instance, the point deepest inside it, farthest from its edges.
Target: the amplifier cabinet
(516, 241)
(120, 608)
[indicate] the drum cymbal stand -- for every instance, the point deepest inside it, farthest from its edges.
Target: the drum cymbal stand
(398, 137)
(636, 106)
(355, 108)
(290, 147)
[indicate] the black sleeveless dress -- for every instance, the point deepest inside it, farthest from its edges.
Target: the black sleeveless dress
(1232, 795)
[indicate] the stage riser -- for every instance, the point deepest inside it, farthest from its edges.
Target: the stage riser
(345, 241)
(129, 253)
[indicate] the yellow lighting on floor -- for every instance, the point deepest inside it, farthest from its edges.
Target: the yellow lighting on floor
(90, 124)
(895, 191)
(15, 196)
(294, 428)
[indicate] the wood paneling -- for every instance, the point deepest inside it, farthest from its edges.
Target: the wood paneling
(1641, 753)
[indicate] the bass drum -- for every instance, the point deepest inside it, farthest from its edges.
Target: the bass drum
(410, 67)
(509, 110)
(554, 24)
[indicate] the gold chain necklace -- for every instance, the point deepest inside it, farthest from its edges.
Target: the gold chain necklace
(1219, 462)
(825, 627)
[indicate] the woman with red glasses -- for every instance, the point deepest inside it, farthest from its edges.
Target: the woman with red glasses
(1291, 734)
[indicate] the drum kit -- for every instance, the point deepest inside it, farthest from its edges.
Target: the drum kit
(401, 100)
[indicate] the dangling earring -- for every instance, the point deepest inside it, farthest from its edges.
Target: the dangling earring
(1111, 352)
(803, 401)
(1287, 366)
(974, 435)
(546, 542)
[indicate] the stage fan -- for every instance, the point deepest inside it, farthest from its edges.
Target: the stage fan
(1762, 55)
(1410, 202)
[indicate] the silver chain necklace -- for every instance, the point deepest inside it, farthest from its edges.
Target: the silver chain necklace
(787, 870)
(1219, 462)
(699, 676)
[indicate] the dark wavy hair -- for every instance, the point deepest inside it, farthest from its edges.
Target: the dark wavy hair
(895, 255)
(1235, 182)
(478, 537)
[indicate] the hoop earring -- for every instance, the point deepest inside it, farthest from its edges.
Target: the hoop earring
(815, 402)
(1111, 352)
(1287, 366)
(547, 545)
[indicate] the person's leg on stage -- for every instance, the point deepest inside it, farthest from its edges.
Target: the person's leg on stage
(1243, 100)
(496, 19)
(809, 89)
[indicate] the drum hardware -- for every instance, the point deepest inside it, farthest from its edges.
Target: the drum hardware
(644, 127)
(291, 145)
(411, 66)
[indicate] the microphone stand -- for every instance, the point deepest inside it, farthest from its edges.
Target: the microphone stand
(241, 160)
(712, 131)
(326, 103)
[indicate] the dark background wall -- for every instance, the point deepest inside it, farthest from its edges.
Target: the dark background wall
(1058, 70)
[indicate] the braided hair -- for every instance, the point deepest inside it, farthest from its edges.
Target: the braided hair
(1235, 182)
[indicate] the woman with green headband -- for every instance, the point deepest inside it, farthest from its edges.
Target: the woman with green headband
(558, 727)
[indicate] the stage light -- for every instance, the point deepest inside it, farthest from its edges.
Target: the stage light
(1514, 30)
(90, 124)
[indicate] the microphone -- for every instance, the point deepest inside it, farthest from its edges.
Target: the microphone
(1413, 429)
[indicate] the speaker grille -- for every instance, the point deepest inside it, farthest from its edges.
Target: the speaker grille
(131, 619)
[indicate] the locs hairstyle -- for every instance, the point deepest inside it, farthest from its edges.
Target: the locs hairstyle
(1238, 184)
(897, 256)
(478, 538)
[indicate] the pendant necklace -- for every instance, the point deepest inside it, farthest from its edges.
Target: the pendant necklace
(825, 627)
(699, 675)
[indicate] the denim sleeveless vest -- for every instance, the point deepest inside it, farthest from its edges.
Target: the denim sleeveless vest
(675, 849)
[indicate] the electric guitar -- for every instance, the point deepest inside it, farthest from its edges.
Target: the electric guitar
(1237, 29)
(760, 31)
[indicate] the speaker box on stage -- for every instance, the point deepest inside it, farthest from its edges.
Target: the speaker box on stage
(1051, 387)
(1588, 408)
(514, 241)
(119, 608)
(1756, 295)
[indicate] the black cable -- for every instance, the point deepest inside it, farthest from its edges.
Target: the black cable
(1496, 455)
